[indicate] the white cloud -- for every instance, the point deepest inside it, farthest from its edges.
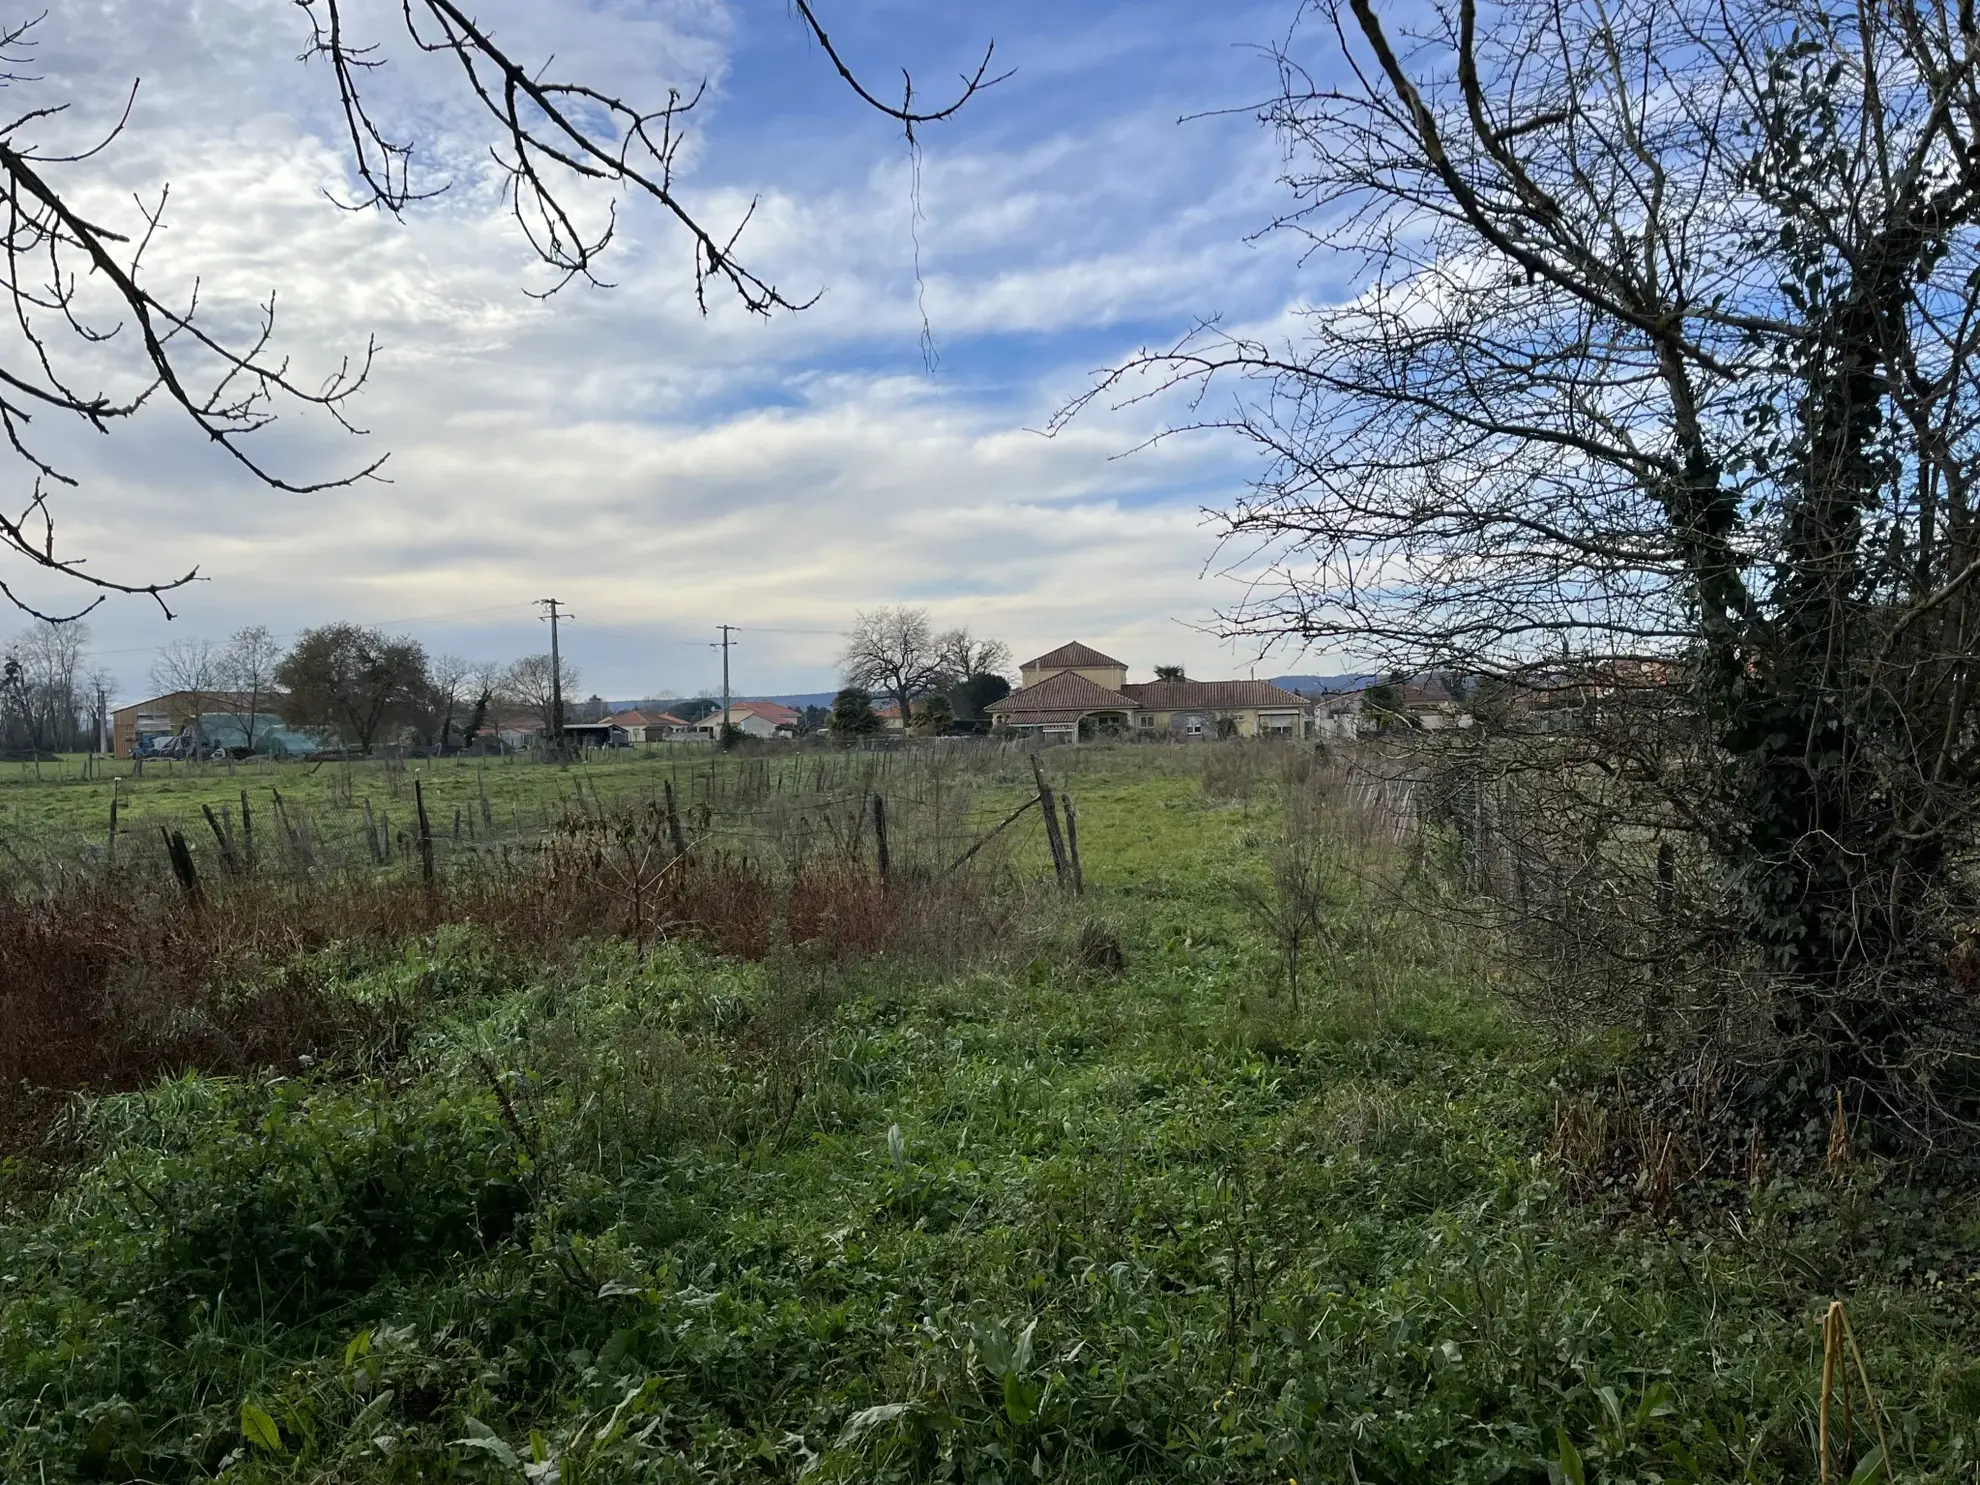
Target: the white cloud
(662, 470)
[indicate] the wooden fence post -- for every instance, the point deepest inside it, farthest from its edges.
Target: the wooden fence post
(1072, 846)
(425, 834)
(880, 838)
(1051, 812)
(247, 832)
(182, 862)
(110, 844)
(674, 822)
(220, 839)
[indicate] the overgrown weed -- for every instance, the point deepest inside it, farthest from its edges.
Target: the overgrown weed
(668, 1213)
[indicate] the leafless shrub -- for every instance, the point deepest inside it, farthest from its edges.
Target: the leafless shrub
(109, 980)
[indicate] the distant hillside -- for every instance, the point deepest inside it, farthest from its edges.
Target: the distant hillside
(662, 703)
(1325, 682)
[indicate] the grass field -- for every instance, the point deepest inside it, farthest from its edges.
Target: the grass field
(1002, 1213)
(71, 798)
(59, 813)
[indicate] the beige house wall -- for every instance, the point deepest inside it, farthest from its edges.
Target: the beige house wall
(1112, 677)
(1251, 720)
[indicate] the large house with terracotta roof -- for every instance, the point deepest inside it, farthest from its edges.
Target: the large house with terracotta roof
(1076, 690)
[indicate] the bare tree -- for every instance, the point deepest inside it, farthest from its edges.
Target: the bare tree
(1658, 369)
(99, 687)
(191, 668)
(78, 295)
(247, 666)
(894, 651)
(532, 684)
(963, 657)
(50, 657)
(454, 686)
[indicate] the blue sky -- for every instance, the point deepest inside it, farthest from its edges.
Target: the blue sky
(663, 472)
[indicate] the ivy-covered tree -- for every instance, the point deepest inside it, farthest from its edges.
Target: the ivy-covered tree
(1654, 369)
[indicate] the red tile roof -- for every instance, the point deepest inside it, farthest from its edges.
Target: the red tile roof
(1071, 657)
(1067, 692)
(773, 712)
(1182, 696)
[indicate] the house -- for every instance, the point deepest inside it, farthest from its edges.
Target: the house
(1078, 659)
(647, 727)
(1076, 690)
(1429, 703)
(509, 729)
(889, 713)
(751, 718)
(1198, 709)
(765, 718)
(1341, 713)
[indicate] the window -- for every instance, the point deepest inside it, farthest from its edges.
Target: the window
(1146, 720)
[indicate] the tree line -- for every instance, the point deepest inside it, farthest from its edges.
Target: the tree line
(366, 686)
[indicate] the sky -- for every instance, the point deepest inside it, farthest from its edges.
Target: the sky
(659, 470)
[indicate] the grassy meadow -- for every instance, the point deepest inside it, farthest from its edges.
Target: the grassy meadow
(1073, 1192)
(60, 811)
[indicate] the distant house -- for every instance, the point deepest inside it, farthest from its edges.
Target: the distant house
(765, 718)
(510, 729)
(1340, 713)
(1198, 709)
(1432, 705)
(647, 726)
(889, 713)
(1075, 689)
(1427, 704)
(751, 718)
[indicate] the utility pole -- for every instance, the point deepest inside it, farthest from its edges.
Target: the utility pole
(727, 630)
(102, 723)
(551, 605)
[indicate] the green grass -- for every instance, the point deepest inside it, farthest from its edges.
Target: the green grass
(49, 803)
(59, 813)
(699, 1220)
